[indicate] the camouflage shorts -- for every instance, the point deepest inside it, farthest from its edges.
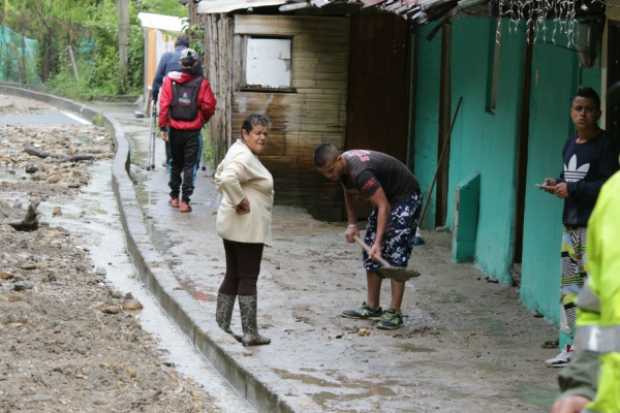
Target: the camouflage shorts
(399, 235)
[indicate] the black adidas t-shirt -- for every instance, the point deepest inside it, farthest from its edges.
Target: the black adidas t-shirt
(586, 168)
(371, 170)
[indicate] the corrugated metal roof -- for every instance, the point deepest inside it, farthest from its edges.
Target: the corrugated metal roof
(226, 6)
(418, 11)
(161, 22)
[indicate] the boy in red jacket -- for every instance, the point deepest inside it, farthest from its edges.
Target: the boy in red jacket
(186, 103)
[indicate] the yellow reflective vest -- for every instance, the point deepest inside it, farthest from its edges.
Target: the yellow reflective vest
(595, 371)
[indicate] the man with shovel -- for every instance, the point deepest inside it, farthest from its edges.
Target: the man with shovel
(395, 195)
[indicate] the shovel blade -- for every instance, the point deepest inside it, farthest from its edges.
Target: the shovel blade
(398, 274)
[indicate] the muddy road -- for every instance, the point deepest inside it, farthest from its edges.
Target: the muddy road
(68, 341)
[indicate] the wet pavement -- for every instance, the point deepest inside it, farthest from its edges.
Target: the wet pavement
(467, 346)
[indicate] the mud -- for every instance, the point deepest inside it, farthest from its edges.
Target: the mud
(67, 343)
(468, 345)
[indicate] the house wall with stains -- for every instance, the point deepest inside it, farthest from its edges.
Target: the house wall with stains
(311, 111)
(487, 144)
(484, 140)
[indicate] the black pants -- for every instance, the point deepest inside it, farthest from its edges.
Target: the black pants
(184, 147)
(242, 268)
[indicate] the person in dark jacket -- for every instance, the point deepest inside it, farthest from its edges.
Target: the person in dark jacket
(186, 104)
(169, 62)
(589, 158)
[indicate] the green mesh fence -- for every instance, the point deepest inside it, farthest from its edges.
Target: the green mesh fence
(17, 57)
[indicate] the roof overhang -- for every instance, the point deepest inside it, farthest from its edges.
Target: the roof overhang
(162, 22)
(227, 6)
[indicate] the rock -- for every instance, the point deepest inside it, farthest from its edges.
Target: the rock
(23, 285)
(53, 179)
(56, 212)
(28, 266)
(6, 275)
(363, 332)
(100, 271)
(110, 308)
(31, 168)
(132, 305)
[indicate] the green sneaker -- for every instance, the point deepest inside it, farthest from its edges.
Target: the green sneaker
(391, 320)
(363, 313)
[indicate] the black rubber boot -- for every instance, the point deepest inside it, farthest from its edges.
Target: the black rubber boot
(223, 313)
(247, 305)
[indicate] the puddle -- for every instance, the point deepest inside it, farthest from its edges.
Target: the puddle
(94, 217)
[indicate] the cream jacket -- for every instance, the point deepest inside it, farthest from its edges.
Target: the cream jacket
(242, 175)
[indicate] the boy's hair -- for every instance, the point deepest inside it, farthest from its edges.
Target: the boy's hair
(253, 120)
(589, 93)
(324, 153)
(182, 41)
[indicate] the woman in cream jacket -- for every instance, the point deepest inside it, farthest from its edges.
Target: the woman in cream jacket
(244, 223)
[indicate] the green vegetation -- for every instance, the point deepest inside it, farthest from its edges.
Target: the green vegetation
(208, 152)
(80, 31)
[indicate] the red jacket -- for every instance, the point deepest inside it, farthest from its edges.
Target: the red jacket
(206, 103)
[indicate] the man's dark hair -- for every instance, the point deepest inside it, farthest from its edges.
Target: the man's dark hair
(182, 41)
(324, 153)
(253, 120)
(589, 93)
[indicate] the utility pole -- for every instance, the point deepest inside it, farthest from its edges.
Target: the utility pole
(123, 42)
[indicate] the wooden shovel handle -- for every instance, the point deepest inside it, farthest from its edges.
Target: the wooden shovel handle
(366, 248)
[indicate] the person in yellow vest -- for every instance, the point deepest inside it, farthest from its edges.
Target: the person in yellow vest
(591, 382)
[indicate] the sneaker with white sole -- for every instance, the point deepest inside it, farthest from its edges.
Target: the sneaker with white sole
(561, 359)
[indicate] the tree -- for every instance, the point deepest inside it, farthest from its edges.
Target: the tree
(123, 43)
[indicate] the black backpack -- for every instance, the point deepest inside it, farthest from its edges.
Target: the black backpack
(184, 105)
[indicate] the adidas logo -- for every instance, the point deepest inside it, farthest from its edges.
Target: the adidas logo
(572, 173)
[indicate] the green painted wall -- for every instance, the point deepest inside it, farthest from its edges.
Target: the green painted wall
(486, 142)
(556, 75)
(428, 59)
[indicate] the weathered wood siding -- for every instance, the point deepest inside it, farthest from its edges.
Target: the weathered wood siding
(218, 69)
(315, 113)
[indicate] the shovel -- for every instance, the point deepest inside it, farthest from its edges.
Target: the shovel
(386, 270)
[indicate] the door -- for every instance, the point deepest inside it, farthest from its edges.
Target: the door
(378, 90)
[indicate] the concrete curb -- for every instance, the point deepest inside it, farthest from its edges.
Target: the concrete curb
(156, 273)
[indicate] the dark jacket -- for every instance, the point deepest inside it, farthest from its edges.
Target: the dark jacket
(586, 168)
(169, 62)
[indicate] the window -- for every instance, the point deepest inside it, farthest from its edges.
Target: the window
(267, 63)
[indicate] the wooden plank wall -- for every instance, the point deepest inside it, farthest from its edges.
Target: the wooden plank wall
(314, 114)
(219, 56)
